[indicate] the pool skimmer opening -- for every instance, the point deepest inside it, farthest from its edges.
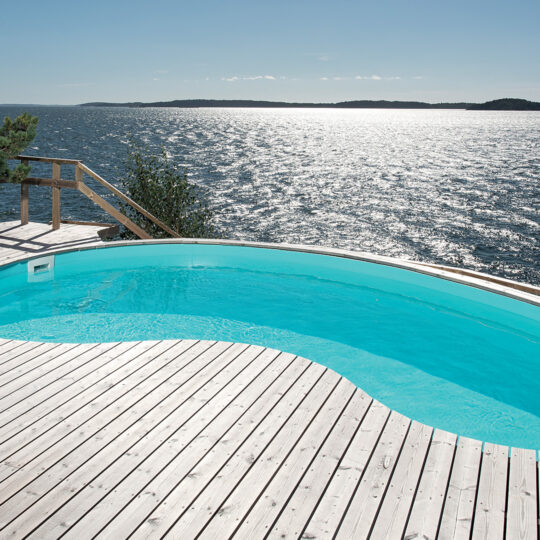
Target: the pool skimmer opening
(41, 269)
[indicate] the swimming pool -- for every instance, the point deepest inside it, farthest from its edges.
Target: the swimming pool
(449, 355)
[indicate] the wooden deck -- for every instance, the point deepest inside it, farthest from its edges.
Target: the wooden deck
(211, 440)
(18, 241)
(198, 439)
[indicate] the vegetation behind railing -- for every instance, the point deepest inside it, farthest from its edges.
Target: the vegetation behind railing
(56, 183)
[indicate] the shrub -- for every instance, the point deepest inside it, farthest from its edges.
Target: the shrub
(15, 136)
(161, 188)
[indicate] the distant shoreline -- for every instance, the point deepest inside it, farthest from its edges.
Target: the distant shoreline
(505, 104)
(248, 103)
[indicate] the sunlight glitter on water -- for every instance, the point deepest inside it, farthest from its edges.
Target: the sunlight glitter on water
(448, 186)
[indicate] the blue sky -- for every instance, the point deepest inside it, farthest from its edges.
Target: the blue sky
(69, 52)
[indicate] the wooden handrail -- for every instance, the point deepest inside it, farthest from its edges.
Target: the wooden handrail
(112, 211)
(48, 182)
(57, 183)
(62, 161)
(125, 198)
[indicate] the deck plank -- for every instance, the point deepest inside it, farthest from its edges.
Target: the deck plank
(83, 361)
(58, 362)
(248, 473)
(459, 503)
(41, 449)
(30, 363)
(39, 414)
(17, 378)
(392, 518)
(522, 517)
(11, 351)
(19, 241)
(146, 482)
(428, 502)
(132, 470)
(49, 452)
(490, 512)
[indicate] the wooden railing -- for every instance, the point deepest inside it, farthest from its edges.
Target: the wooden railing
(56, 183)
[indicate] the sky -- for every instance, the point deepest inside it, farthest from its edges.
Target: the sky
(70, 52)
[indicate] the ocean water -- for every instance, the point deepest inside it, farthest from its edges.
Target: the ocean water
(446, 186)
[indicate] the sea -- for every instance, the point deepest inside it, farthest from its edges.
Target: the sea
(453, 187)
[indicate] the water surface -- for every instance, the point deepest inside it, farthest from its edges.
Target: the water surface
(447, 186)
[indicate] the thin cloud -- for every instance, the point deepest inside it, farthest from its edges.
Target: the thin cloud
(254, 78)
(324, 58)
(376, 78)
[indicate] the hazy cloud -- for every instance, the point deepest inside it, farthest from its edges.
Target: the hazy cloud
(376, 78)
(324, 58)
(255, 78)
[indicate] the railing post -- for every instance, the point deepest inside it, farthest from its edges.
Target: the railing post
(24, 199)
(56, 197)
(79, 175)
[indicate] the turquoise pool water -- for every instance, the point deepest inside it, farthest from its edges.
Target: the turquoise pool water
(455, 357)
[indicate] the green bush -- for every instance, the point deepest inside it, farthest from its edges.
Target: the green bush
(161, 188)
(15, 136)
